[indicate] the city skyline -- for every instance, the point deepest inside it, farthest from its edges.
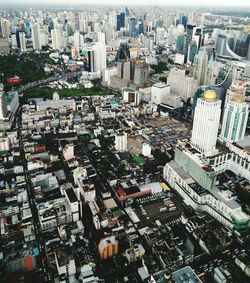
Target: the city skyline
(177, 3)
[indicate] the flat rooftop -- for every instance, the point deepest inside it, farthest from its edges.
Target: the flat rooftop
(185, 275)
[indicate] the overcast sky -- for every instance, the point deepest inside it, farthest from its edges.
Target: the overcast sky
(225, 3)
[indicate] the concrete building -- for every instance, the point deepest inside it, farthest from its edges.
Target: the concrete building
(36, 37)
(234, 120)
(131, 95)
(22, 42)
(159, 93)
(3, 104)
(56, 38)
(189, 172)
(141, 74)
(200, 67)
(5, 24)
(181, 84)
(206, 123)
(121, 140)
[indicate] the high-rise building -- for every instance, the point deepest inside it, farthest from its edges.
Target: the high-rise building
(22, 41)
(133, 30)
(3, 104)
(181, 84)
(99, 57)
(189, 36)
(200, 67)
(179, 44)
(121, 140)
(27, 28)
(234, 120)
(160, 34)
(206, 123)
(5, 28)
(120, 21)
(141, 74)
(56, 39)
(192, 51)
(36, 37)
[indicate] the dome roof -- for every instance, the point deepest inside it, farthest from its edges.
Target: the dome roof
(238, 99)
(210, 95)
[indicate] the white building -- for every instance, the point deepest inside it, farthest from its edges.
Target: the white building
(234, 120)
(68, 152)
(5, 24)
(159, 93)
(22, 41)
(146, 149)
(206, 123)
(181, 84)
(36, 37)
(56, 38)
(131, 95)
(107, 73)
(160, 34)
(99, 57)
(4, 144)
(121, 140)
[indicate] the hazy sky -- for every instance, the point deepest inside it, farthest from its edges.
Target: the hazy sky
(225, 3)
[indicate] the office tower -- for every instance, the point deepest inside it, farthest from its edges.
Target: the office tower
(189, 36)
(56, 39)
(206, 123)
(36, 37)
(127, 12)
(27, 28)
(99, 57)
(120, 21)
(121, 140)
(234, 120)
(141, 74)
(88, 58)
(123, 51)
(160, 34)
(179, 44)
(68, 29)
(3, 104)
(198, 36)
(22, 41)
(192, 51)
(200, 67)
(133, 30)
(184, 20)
(5, 28)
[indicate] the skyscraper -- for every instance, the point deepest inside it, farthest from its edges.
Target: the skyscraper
(133, 31)
(36, 37)
(22, 41)
(3, 104)
(56, 39)
(99, 57)
(5, 28)
(234, 120)
(200, 67)
(120, 21)
(206, 123)
(192, 51)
